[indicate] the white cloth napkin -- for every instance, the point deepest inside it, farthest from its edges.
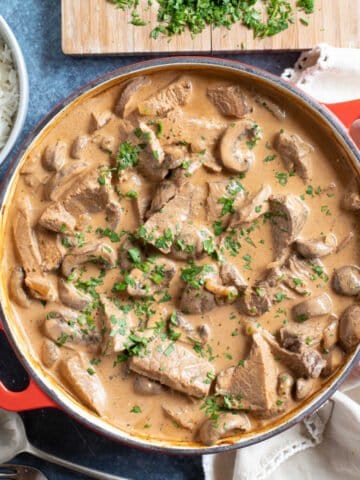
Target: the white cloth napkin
(326, 446)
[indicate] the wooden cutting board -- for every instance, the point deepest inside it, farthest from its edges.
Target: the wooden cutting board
(97, 27)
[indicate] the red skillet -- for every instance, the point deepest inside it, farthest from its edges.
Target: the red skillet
(33, 396)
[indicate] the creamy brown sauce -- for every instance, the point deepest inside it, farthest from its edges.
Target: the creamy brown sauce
(250, 248)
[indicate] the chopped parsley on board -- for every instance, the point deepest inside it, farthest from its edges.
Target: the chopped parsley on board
(175, 16)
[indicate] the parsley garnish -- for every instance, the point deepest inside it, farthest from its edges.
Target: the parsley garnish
(136, 409)
(127, 156)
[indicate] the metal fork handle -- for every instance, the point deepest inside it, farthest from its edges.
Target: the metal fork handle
(9, 467)
(72, 466)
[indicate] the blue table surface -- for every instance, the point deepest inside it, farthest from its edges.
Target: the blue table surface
(36, 24)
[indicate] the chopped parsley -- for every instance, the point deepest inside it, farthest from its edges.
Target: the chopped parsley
(302, 317)
(325, 209)
(218, 227)
(175, 16)
(107, 232)
(269, 158)
(134, 255)
(136, 409)
(166, 240)
(131, 194)
(195, 275)
(306, 5)
(232, 245)
(282, 178)
(247, 258)
(256, 135)
(228, 205)
(279, 297)
(127, 156)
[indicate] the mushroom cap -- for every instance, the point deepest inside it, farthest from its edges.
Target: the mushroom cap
(346, 280)
(127, 100)
(210, 432)
(349, 328)
(16, 287)
(145, 386)
(70, 296)
(304, 387)
(312, 307)
(100, 252)
(317, 248)
(235, 153)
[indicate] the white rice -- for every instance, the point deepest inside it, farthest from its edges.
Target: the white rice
(9, 93)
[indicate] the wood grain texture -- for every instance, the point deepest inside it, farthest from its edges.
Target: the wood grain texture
(96, 27)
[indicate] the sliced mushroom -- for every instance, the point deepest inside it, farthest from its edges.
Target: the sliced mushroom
(230, 275)
(334, 359)
(313, 307)
(317, 248)
(226, 424)
(127, 101)
(345, 241)
(113, 214)
(99, 120)
(204, 332)
(284, 386)
(209, 161)
(62, 327)
(189, 243)
(151, 159)
(60, 182)
(351, 200)
(235, 153)
(125, 259)
(165, 191)
(153, 142)
(50, 353)
(346, 280)
(182, 327)
(175, 156)
(145, 386)
(16, 287)
(304, 387)
(99, 252)
(54, 156)
(221, 292)
(271, 106)
(196, 300)
(252, 304)
(41, 287)
(349, 329)
(70, 296)
(144, 284)
(78, 145)
(254, 208)
(331, 332)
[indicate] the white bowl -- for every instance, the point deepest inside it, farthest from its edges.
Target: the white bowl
(9, 38)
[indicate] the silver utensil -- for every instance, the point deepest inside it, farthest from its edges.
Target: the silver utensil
(20, 472)
(13, 440)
